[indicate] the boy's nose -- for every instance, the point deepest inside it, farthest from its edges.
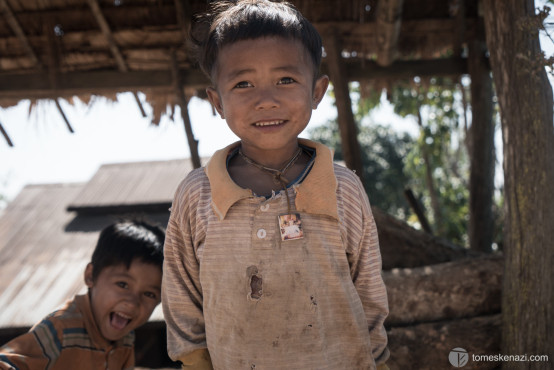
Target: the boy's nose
(132, 299)
(266, 99)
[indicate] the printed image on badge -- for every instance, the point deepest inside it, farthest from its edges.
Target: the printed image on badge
(290, 226)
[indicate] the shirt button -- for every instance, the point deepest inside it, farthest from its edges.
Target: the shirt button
(264, 207)
(261, 233)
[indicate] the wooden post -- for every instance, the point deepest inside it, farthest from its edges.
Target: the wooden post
(416, 206)
(183, 104)
(481, 149)
(347, 126)
(56, 100)
(5, 134)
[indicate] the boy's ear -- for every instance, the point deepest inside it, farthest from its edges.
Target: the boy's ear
(88, 275)
(215, 99)
(320, 87)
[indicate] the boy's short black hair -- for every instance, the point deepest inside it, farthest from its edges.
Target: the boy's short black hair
(125, 241)
(231, 21)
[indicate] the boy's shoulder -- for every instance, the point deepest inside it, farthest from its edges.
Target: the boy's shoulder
(195, 179)
(55, 325)
(68, 312)
(346, 176)
(71, 316)
(350, 190)
(190, 189)
(198, 180)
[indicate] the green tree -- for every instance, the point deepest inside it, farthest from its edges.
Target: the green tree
(438, 163)
(383, 153)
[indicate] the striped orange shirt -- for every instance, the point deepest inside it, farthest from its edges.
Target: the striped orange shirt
(68, 339)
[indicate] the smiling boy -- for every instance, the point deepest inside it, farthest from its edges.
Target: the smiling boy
(96, 330)
(240, 290)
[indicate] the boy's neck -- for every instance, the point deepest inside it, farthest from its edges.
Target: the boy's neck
(275, 159)
(262, 182)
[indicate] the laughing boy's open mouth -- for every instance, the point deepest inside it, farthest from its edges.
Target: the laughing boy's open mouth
(119, 320)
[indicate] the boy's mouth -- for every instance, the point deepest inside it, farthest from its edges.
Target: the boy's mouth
(119, 320)
(269, 123)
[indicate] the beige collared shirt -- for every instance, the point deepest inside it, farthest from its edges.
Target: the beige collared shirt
(233, 286)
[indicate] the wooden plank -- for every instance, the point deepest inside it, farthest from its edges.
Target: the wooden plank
(77, 36)
(18, 30)
(38, 86)
(389, 20)
(358, 70)
(107, 32)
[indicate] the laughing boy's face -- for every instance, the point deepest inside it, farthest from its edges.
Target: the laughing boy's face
(123, 299)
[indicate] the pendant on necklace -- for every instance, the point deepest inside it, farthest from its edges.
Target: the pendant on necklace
(290, 226)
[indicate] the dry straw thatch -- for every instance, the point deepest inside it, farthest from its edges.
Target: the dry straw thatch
(53, 49)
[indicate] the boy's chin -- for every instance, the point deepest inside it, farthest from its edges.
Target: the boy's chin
(114, 334)
(110, 336)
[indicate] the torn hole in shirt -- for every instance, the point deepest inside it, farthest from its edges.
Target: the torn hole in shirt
(255, 283)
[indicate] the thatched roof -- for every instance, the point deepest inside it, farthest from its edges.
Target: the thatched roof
(60, 48)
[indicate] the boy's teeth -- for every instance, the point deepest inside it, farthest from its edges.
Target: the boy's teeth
(271, 123)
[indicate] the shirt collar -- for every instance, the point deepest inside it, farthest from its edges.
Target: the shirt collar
(316, 194)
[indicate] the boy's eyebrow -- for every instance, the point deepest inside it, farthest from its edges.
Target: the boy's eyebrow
(126, 275)
(288, 68)
(239, 72)
(291, 68)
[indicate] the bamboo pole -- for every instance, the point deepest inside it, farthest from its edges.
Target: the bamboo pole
(116, 52)
(347, 125)
(5, 134)
(183, 104)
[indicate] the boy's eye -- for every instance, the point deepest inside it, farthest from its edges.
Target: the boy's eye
(151, 295)
(243, 84)
(122, 284)
(286, 81)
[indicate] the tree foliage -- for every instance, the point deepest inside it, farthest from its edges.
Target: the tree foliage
(383, 153)
(438, 165)
(434, 165)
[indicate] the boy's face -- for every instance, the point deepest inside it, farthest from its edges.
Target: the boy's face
(266, 92)
(123, 299)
